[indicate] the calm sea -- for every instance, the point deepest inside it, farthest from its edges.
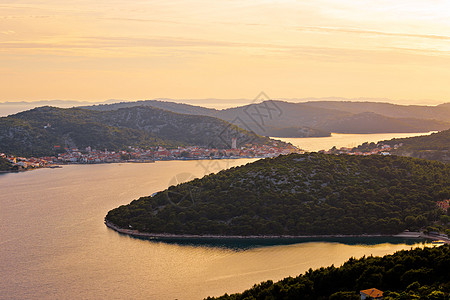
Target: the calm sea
(54, 245)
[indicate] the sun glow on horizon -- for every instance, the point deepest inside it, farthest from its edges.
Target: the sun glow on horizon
(234, 49)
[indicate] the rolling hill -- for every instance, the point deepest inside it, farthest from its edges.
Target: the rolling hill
(369, 122)
(439, 112)
(37, 131)
(436, 141)
(435, 146)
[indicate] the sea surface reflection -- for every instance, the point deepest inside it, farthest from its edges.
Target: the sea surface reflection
(54, 243)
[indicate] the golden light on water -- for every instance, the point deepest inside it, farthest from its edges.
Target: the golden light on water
(55, 245)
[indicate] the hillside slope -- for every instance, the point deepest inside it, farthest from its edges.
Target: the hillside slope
(297, 195)
(37, 131)
(435, 146)
(436, 141)
(180, 108)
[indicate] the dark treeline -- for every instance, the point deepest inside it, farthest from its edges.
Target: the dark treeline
(311, 194)
(405, 275)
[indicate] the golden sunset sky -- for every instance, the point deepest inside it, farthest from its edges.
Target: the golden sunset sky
(136, 49)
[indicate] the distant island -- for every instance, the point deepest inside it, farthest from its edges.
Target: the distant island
(297, 195)
(410, 274)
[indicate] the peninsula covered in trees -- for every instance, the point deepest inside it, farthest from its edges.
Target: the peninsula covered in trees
(413, 274)
(294, 195)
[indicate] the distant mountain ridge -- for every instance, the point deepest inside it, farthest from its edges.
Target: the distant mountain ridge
(315, 118)
(439, 112)
(370, 122)
(37, 131)
(305, 119)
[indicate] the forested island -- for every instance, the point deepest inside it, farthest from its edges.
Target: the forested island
(414, 274)
(297, 195)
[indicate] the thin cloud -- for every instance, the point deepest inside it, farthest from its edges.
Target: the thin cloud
(117, 42)
(143, 20)
(120, 41)
(372, 32)
(180, 46)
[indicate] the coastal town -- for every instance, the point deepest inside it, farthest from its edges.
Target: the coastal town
(138, 155)
(380, 149)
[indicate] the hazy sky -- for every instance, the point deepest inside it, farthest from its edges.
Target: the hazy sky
(136, 49)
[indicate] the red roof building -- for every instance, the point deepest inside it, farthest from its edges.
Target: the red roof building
(371, 294)
(444, 204)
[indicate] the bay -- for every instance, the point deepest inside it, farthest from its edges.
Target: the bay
(54, 244)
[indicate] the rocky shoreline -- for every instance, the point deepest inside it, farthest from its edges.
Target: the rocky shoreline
(136, 233)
